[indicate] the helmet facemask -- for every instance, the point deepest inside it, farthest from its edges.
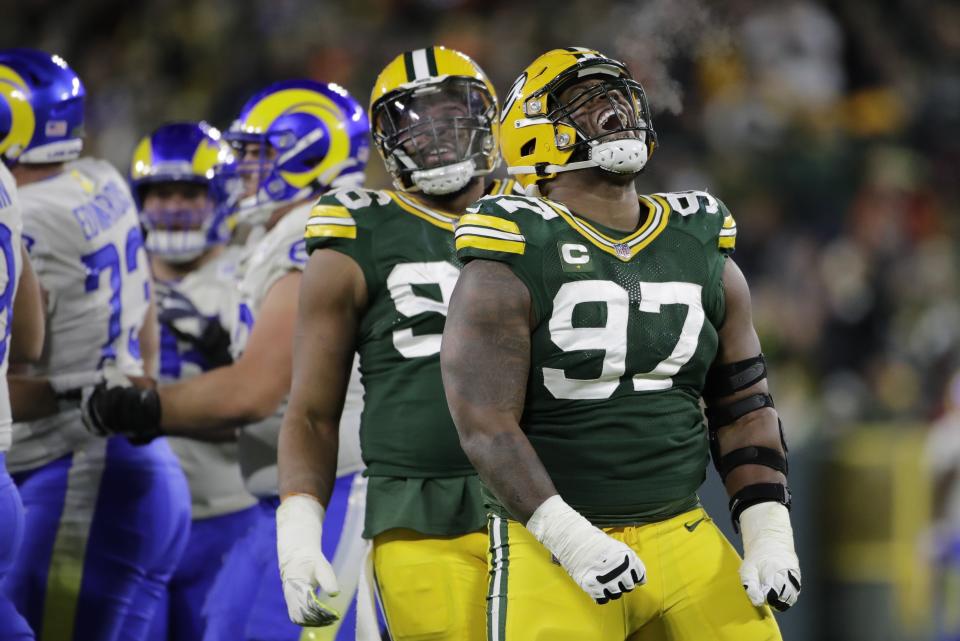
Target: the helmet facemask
(179, 230)
(257, 159)
(436, 137)
(611, 120)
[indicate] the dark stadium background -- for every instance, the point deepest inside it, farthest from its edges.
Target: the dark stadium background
(831, 131)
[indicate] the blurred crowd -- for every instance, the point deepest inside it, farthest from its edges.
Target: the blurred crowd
(830, 129)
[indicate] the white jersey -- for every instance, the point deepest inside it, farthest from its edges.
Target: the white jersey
(83, 236)
(11, 226)
(188, 310)
(281, 251)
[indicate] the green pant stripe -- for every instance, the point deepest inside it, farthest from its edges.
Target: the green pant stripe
(497, 594)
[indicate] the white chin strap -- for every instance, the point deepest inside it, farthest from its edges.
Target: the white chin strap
(177, 246)
(444, 180)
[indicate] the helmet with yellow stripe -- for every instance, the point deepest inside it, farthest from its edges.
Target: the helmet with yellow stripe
(573, 109)
(181, 180)
(434, 117)
(295, 139)
(41, 108)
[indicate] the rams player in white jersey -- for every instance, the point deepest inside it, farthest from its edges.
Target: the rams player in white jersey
(17, 342)
(183, 206)
(296, 139)
(106, 520)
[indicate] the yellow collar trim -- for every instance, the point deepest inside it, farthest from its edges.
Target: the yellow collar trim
(432, 216)
(629, 246)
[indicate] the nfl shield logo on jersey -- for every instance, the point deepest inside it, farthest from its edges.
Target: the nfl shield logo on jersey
(623, 251)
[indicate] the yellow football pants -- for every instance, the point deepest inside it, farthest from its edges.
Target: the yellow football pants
(432, 588)
(693, 590)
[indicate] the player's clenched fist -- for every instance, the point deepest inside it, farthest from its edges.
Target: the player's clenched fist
(110, 408)
(303, 568)
(602, 566)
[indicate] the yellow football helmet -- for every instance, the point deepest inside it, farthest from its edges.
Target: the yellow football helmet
(435, 121)
(539, 136)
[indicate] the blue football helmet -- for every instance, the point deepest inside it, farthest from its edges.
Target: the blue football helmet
(41, 108)
(185, 152)
(309, 137)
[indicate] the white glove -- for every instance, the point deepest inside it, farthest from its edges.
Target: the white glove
(603, 567)
(770, 571)
(303, 568)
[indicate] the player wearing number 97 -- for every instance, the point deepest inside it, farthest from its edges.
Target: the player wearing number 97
(379, 277)
(586, 325)
(105, 520)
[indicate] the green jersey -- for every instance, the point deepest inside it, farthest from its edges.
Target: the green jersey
(419, 476)
(625, 331)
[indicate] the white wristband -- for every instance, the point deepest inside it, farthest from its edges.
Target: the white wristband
(559, 527)
(74, 381)
(768, 522)
(299, 523)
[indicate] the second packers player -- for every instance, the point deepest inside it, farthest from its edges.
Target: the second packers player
(378, 280)
(584, 329)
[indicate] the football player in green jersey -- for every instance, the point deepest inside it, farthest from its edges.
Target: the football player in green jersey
(585, 328)
(380, 274)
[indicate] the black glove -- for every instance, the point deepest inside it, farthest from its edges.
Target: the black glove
(129, 411)
(213, 342)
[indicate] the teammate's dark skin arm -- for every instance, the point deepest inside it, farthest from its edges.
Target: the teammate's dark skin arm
(739, 341)
(332, 300)
(485, 358)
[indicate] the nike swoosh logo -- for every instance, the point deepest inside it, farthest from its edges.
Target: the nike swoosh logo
(692, 525)
(615, 572)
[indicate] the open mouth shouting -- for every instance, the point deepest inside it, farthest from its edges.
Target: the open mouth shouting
(610, 119)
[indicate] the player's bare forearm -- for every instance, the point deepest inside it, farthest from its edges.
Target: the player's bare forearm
(221, 399)
(485, 357)
(739, 341)
(28, 324)
(332, 296)
(248, 390)
(31, 398)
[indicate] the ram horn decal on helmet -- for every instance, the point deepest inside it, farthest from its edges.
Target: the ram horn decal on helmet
(41, 108)
(311, 136)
